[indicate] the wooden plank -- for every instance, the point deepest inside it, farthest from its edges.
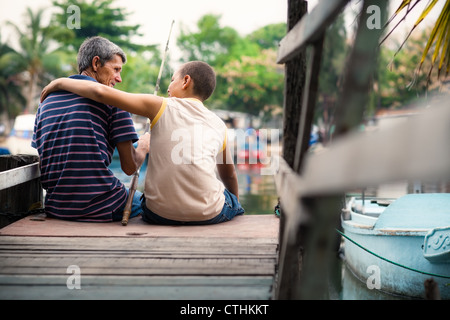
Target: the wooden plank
(166, 252)
(111, 256)
(102, 278)
(162, 266)
(19, 175)
(136, 245)
(137, 288)
(233, 260)
(246, 226)
(140, 280)
(146, 267)
(309, 28)
(240, 252)
(309, 103)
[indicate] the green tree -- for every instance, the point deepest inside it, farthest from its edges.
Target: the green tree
(97, 18)
(251, 81)
(248, 79)
(398, 82)
(438, 39)
(11, 98)
(252, 84)
(268, 37)
(211, 43)
(35, 54)
(140, 72)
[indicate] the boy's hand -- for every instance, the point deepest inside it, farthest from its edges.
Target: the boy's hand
(51, 87)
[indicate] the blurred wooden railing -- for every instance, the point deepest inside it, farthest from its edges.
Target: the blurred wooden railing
(20, 187)
(311, 185)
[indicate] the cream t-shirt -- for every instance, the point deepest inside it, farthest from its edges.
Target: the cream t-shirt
(181, 182)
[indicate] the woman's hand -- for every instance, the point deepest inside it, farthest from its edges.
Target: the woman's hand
(51, 87)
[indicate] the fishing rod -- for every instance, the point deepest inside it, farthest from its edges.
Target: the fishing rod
(135, 178)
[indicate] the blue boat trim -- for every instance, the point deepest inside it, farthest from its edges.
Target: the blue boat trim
(436, 246)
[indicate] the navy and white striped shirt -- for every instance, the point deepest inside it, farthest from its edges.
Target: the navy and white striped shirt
(75, 138)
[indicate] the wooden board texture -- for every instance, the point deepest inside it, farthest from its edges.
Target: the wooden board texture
(232, 261)
(247, 226)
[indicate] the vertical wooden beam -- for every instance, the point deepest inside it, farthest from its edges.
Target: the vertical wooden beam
(323, 210)
(294, 234)
(360, 68)
(295, 73)
(309, 103)
(319, 246)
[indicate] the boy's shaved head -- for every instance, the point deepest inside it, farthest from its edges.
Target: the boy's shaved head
(203, 75)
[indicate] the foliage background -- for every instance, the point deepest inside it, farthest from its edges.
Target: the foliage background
(248, 78)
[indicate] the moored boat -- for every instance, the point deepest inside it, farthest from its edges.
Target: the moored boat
(19, 140)
(396, 245)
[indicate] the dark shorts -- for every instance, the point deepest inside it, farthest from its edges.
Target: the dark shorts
(231, 208)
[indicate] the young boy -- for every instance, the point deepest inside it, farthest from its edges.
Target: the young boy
(188, 143)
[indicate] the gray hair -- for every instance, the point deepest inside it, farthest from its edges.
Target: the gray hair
(97, 46)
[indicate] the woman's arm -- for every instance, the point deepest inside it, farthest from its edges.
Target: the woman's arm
(146, 105)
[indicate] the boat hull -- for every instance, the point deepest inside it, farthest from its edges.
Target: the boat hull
(393, 259)
(394, 278)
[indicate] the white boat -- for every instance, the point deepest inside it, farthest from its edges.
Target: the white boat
(19, 140)
(395, 245)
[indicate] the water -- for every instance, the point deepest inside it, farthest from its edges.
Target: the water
(344, 285)
(257, 193)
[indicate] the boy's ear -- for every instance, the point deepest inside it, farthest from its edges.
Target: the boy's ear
(187, 80)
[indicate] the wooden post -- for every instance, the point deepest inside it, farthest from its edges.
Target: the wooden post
(16, 201)
(319, 246)
(295, 73)
(309, 103)
(359, 71)
(323, 210)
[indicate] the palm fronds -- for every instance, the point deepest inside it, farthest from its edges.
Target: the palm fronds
(439, 37)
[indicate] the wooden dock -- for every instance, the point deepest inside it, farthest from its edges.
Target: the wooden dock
(42, 258)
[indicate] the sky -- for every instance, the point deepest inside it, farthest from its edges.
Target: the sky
(155, 16)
